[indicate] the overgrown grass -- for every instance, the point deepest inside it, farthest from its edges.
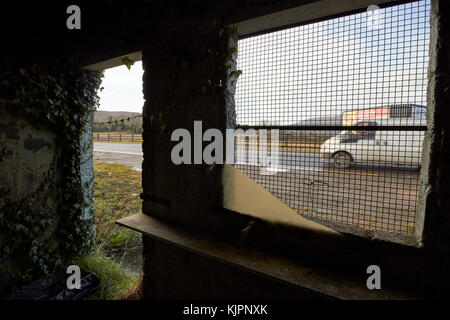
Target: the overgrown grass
(115, 281)
(116, 195)
(117, 190)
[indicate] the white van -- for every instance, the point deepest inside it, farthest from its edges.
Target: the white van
(372, 146)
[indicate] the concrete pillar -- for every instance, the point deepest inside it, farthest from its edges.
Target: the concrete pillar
(184, 81)
(436, 173)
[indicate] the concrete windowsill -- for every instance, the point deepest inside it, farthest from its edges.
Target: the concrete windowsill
(258, 261)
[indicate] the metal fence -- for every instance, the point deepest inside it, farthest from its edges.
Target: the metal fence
(122, 137)
(356, 85)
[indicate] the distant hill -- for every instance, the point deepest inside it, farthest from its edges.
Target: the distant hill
(335, 120)
(101, 116)
(133, 125)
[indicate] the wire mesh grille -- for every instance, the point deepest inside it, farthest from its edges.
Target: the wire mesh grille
(347, 97)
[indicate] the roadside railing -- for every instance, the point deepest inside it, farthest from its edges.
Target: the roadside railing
(124, 137)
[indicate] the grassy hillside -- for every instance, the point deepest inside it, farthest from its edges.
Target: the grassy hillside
(133, 125)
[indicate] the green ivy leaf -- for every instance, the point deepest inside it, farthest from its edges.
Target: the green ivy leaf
(232, 50)
(127, 62)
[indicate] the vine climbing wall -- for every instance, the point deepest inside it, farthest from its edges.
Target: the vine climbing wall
(46, 178)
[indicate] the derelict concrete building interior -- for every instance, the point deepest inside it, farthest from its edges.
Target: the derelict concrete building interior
(210, 231)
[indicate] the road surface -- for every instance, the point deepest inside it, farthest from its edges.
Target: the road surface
(125, 148)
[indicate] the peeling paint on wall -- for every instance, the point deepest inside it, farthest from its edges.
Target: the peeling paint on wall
(27, 154)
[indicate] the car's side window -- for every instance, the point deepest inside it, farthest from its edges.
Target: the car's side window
(364, 134)
(367, 135)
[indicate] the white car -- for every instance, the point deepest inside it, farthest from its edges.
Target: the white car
(373, 146)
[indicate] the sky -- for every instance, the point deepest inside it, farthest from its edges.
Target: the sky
(324, 68)
(122, 89)
(318, 69)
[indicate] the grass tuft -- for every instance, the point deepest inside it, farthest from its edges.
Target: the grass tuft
(115, 281)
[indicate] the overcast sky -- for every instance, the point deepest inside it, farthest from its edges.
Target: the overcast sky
(324, 68)
(122, 89)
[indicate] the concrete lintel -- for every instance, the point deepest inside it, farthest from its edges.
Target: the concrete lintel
(308, 12)
(114, 62)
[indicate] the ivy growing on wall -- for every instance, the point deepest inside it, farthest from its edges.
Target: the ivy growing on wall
(36, 231)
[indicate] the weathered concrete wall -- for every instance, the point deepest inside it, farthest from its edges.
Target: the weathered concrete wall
(203, 278)
(30, 165)
(436, 177)
(28, 150)
(29, 155)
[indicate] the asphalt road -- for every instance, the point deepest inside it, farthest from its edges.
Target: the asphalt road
(125, 148)
(288, 160)
(371, 197)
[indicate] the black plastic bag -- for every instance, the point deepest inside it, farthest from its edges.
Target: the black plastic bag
(44, 289)
(89, 282)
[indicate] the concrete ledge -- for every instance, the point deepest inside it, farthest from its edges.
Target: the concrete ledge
(312, 282)
(114, 62)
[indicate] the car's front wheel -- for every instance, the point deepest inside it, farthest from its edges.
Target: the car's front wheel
(342, 160)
